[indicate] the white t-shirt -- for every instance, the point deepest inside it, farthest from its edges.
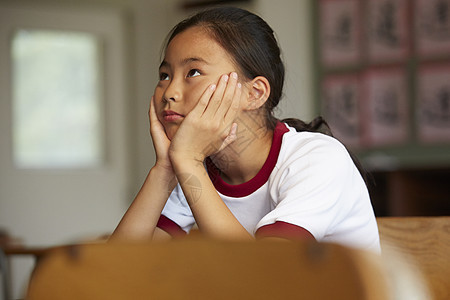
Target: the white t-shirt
(308, 180)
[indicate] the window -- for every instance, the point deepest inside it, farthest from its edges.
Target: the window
(56, 99)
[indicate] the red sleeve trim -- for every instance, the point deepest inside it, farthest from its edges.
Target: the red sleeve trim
(284, 230)
(170, 227)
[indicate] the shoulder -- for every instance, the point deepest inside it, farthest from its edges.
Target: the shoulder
(312, 161)
(311, 148)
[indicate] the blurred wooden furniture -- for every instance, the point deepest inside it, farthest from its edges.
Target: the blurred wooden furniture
(194, 268)
(7, 251)
(4, 274)
(423, 241)
(206, 269)
(411, 192)
(11, 246)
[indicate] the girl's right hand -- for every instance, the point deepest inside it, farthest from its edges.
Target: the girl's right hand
(160, 140)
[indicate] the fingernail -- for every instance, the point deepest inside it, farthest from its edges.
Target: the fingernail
(225, 78)
(239, 85)
(234, 75)
(212, 87)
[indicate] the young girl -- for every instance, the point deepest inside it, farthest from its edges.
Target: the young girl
(224, 162)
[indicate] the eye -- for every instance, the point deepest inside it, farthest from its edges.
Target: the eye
(193, 73)
(163, 76)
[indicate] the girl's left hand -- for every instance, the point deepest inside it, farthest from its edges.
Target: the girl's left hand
(210, 126)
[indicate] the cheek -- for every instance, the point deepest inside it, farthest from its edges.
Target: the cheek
(158, 93)
(158, 96)
(195, 91)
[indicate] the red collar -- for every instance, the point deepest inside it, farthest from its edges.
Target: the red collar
(247, 188)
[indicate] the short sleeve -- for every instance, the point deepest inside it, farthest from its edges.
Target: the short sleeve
(178, 211)
(318, 187)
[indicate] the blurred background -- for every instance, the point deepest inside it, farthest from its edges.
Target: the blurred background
(77, 76)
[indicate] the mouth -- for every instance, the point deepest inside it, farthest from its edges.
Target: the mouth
(171, 116)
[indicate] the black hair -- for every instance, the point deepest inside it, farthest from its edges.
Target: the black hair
(252, 45)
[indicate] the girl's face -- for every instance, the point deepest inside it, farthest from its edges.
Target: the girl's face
(193, 60)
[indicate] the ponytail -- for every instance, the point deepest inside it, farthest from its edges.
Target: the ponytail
(319, 124)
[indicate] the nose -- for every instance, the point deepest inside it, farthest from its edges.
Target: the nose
(172, 92)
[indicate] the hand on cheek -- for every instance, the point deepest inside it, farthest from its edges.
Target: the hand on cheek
(210, 126)
(160, 140)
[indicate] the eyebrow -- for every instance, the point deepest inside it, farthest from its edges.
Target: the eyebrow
(184, 61)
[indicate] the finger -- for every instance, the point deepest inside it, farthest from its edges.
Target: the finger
(157, 131)
(228, 95)
(154, 122)
(233, 107)
(217, 97)
(203, 102)
(231, 137)
(152, 111)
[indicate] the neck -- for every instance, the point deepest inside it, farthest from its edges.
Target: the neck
(243, 159)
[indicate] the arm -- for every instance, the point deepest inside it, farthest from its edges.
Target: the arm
(213, 217)
(215, 113)
(139, 222)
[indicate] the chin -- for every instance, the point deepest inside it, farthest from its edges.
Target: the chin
(170, 132)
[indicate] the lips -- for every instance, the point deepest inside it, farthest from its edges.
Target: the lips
(171, 116)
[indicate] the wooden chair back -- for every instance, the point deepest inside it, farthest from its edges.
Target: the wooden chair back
(205, 269)
(423, 242)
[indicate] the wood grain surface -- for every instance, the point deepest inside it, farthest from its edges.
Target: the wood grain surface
(205, 269)
(424, 241)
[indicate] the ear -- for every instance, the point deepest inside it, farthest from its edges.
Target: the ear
(258, 93)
